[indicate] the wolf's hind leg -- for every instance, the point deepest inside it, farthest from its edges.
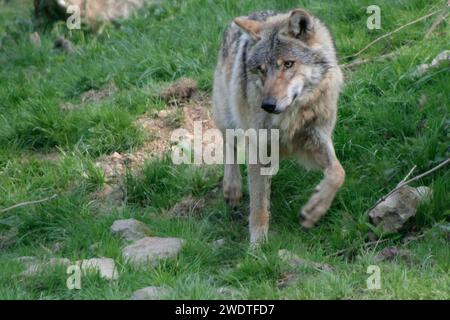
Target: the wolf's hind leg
(334, 176)
(259, 186)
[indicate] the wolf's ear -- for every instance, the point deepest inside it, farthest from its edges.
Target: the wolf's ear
(252, 27)
(301, 24)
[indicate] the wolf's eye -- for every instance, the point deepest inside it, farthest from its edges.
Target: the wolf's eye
(288, 64)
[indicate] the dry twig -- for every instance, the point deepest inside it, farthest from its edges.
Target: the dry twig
(365, 246)
(408, 175)
(392, 32)
(27, 203)
(437, 22)
(359, 62)
(405, 181)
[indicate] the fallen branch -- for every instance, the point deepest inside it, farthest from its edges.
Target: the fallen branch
(404, 182)
(437, 22)
(365, 246)
(408, 175)
(376, 243)
(359, 62)
(27, 203)
(392, 32)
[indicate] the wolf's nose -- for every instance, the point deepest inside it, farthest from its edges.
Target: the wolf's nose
(269, 104)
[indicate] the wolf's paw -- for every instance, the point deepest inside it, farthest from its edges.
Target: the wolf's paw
(232, 195)
(258, 235)
(313, 210)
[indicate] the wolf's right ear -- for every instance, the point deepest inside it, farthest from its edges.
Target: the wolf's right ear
(301, 24)
(251, 27)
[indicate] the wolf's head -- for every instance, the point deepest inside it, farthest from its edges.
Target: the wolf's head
(288, 59)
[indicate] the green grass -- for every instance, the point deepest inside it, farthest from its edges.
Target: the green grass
(381, 133)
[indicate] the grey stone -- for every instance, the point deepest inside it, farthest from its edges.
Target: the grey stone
(34, 268)
(437, 61)
(149, 251)
(396, 210)
(130, 229)
(93, 11)
(104, 266)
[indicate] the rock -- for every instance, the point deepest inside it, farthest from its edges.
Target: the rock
(390, 253)
(150, 293)
(104, 266)
(440, 58)
(130, 229)
(34, 267)
(92, 11)
(396, 210)
(296, 262)
(151, 250)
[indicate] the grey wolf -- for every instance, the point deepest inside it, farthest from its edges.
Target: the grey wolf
(280, 71)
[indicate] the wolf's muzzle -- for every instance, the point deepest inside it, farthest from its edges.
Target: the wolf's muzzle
(269, 105)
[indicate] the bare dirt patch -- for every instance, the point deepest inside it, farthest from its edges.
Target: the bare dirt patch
(178, 91)
(90, 96)
(97, 95)
(187, 207)
(159, 127)
(191, 206)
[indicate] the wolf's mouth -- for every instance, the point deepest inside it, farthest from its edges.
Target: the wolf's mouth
(275, 111)
(280, 110)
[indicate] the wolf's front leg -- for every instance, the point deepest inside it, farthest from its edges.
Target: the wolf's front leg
(232, 180)
(334, 175)
(259, 187)
(232, 184)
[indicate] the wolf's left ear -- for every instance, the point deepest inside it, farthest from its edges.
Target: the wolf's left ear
(301, 24)
(252, 27)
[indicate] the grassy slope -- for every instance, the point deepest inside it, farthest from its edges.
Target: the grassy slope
(381, 133)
